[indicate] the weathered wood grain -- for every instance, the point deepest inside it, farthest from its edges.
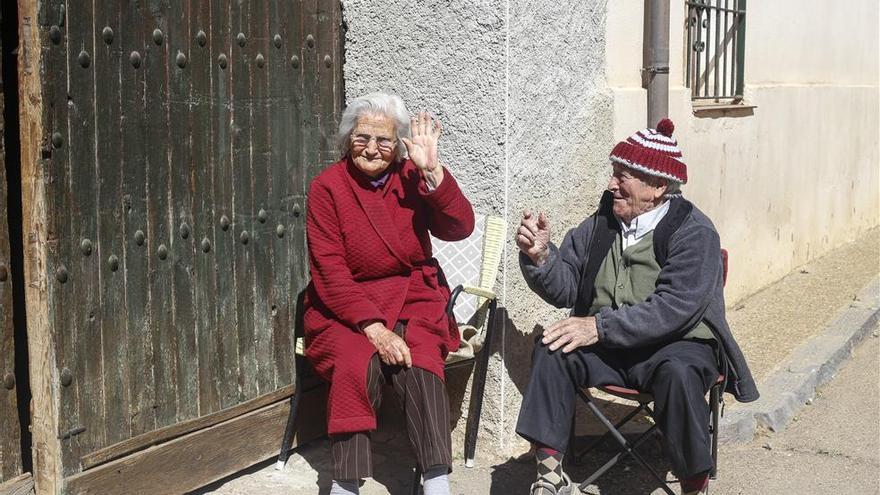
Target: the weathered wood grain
(199, 458)
(40, 239)
(299, 168)
(241, 63)
(180, 111)
(261, 51)
(130, 147)
(133, 37)
(110, 63)
(20, 485)
(10, 433)
(283, 109)
(311, 124)
(227, 362)
(163, 333)
(204, 163)
(160, 435)
(60, 199)
(82, 244)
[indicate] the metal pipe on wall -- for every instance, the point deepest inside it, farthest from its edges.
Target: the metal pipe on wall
(656, 59)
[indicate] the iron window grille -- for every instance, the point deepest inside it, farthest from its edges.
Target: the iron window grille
(716, 37)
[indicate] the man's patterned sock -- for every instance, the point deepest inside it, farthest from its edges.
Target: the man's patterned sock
(550, 466)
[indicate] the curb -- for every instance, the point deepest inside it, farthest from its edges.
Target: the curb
(810, 365)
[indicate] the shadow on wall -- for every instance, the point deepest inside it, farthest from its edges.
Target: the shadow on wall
(517, 361)
(519, 472)
(627, 477)
(518, 347)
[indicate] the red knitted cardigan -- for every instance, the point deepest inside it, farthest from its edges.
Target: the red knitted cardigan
(370, 259)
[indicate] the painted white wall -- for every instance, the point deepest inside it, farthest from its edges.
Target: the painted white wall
(798, 175)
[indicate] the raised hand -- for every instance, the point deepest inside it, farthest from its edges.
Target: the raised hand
(422, 148)
(533, 237)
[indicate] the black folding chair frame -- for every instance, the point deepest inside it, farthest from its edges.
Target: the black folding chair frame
(629, 448)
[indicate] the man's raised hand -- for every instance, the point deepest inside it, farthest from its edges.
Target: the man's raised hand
(533, 237)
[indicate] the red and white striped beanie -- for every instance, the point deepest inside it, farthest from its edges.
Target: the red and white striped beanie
(654, 152)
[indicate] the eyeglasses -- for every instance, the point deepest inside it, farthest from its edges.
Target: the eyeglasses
(382, 142)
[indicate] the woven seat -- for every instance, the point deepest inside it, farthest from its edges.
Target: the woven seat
(636, 395)
(471, 267)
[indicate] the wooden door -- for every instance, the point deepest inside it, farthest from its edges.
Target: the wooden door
(166, 156)
(10, 432)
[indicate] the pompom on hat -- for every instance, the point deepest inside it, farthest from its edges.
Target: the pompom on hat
(654, 152)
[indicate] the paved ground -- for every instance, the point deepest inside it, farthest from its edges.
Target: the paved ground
(833, 446)
(772, 322)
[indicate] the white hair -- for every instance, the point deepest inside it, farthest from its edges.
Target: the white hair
(673, 189)
(387, 104)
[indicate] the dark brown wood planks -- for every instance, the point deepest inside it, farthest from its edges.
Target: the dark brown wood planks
(283, 109)
(62, 300)
(227, 361)
(163, 333)
(87, 427)
(203, 70)
(241, 63)
(263, 232)
(110, 63)
(134, 37)
(176, 171)
(10, 433)
(180, 111)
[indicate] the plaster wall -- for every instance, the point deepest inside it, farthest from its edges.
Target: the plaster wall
(520, 88)
(799, 174)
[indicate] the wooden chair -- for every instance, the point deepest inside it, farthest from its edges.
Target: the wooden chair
(644, 401)
(471, 267)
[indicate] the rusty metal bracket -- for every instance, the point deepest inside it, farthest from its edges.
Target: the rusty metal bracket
(72, 433)
(656, 70)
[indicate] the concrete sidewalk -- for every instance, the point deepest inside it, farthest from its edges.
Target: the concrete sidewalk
(795, 352)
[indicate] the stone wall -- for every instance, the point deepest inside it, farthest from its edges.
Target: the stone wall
(520, 89)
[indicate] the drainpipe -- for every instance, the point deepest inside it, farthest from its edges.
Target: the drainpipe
(655, 52)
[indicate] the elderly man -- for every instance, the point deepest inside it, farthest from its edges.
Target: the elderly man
(644, 278)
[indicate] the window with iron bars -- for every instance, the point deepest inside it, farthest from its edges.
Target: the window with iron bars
(716, 41)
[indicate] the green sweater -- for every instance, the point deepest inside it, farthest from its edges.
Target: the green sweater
(628, 277)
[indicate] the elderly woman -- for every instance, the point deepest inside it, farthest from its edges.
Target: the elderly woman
(375, 309)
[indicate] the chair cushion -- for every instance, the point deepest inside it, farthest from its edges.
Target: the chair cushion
(636, 395)
(627, 393)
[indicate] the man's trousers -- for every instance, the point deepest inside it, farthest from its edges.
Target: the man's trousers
(677, 374)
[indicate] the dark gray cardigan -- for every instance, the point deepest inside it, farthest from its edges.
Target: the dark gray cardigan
(690, 286)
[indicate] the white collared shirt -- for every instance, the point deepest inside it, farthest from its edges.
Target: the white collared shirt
(641, 225)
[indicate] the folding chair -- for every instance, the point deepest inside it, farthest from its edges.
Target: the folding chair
(471, 266)
(644, 401)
